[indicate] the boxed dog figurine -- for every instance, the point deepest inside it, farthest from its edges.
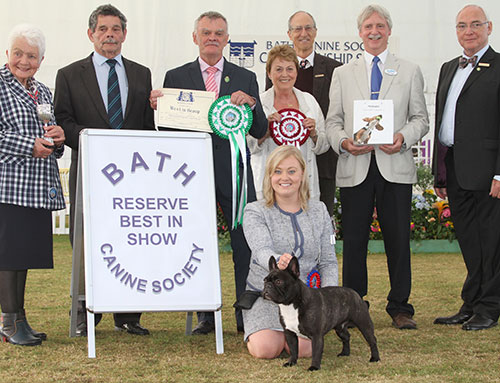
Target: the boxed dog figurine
(373, 122)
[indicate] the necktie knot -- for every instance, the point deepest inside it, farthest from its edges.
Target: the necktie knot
(464, 61)
(111, 62)
(303, 64)
(212, 70)
(375, 60)
(210, 83)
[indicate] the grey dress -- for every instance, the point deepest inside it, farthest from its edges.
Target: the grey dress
(270, 231)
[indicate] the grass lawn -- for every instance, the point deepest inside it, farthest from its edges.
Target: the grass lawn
(430, 354)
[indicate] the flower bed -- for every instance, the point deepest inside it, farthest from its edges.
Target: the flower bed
(430, 216)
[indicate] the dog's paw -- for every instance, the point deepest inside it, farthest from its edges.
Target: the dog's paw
(289, 364)
(374, 359)
(313, 368)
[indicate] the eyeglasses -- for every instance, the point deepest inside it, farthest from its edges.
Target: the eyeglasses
(307, 28)
(461, 27)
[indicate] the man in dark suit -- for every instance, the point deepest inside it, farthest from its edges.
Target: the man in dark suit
(81, 101)
(314, 77)
(211, 36)
(466, 165)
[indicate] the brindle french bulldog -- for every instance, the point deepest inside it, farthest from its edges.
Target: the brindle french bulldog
(314, 312)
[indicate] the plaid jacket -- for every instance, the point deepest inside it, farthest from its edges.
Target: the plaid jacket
(25, 180)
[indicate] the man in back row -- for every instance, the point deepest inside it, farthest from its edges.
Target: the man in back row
(314, 76)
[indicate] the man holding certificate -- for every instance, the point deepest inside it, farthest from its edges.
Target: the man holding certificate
(211, 72)
(379, 175)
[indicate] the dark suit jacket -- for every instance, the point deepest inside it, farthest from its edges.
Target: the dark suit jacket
(477, 124)
(322, 78)
(78, 104)
(189, 76)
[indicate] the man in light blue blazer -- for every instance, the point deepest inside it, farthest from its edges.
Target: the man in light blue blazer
(378, 176)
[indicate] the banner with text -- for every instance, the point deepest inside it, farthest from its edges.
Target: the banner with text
(150, 231)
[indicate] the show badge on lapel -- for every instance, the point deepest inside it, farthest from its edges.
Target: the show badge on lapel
(484, 65)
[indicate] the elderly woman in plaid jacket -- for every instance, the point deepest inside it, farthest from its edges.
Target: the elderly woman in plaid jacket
(29, 180)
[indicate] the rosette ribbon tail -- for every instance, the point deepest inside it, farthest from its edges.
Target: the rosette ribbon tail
(237, 143)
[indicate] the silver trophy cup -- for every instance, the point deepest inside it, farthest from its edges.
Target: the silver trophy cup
(44, 112)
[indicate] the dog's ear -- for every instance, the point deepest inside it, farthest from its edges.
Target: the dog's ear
(272, 263)
(293, 266)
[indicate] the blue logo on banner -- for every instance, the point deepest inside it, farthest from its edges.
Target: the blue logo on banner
(242, 53)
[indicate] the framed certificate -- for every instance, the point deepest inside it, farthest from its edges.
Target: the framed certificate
(373, 122)
(185, 109)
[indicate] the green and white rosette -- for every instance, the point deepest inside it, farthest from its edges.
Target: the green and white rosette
(232, 122)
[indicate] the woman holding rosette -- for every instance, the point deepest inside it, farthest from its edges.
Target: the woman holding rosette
(29, 179)
(307, 133)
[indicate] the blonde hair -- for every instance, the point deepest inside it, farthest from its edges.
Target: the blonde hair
(274, 159)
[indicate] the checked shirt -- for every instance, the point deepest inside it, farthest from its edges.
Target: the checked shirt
(25, 180)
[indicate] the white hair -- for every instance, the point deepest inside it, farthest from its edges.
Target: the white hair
(370, 10)
(33, 35)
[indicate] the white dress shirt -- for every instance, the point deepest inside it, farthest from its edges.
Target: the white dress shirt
(447, 128)
(369, 63)
(310, 60)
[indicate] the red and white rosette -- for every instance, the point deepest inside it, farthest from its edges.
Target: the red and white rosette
(290, 130)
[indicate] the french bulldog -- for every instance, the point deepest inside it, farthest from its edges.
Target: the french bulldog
(314, 312)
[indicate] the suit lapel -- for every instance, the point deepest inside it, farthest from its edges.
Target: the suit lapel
(22, 94)
(16, 87)
(446, 83)
(226, 74)
(89, 81)
(319, 69)
(391, 65)
(361, 78)
(131, 79)
(478, 70)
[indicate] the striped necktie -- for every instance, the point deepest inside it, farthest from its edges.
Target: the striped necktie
(376, 79)
(210, 84)
(115, 113)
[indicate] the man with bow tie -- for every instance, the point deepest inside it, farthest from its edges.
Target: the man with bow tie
(466, 165)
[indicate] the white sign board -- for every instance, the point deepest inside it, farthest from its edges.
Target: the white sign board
(150, 231)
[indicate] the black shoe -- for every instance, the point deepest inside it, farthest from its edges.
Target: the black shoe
(15, 332)
(458, 318)
(21, 315)
(132, 328)
(240, 329)
(81, 329)
(479, 322)
(203, 328)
